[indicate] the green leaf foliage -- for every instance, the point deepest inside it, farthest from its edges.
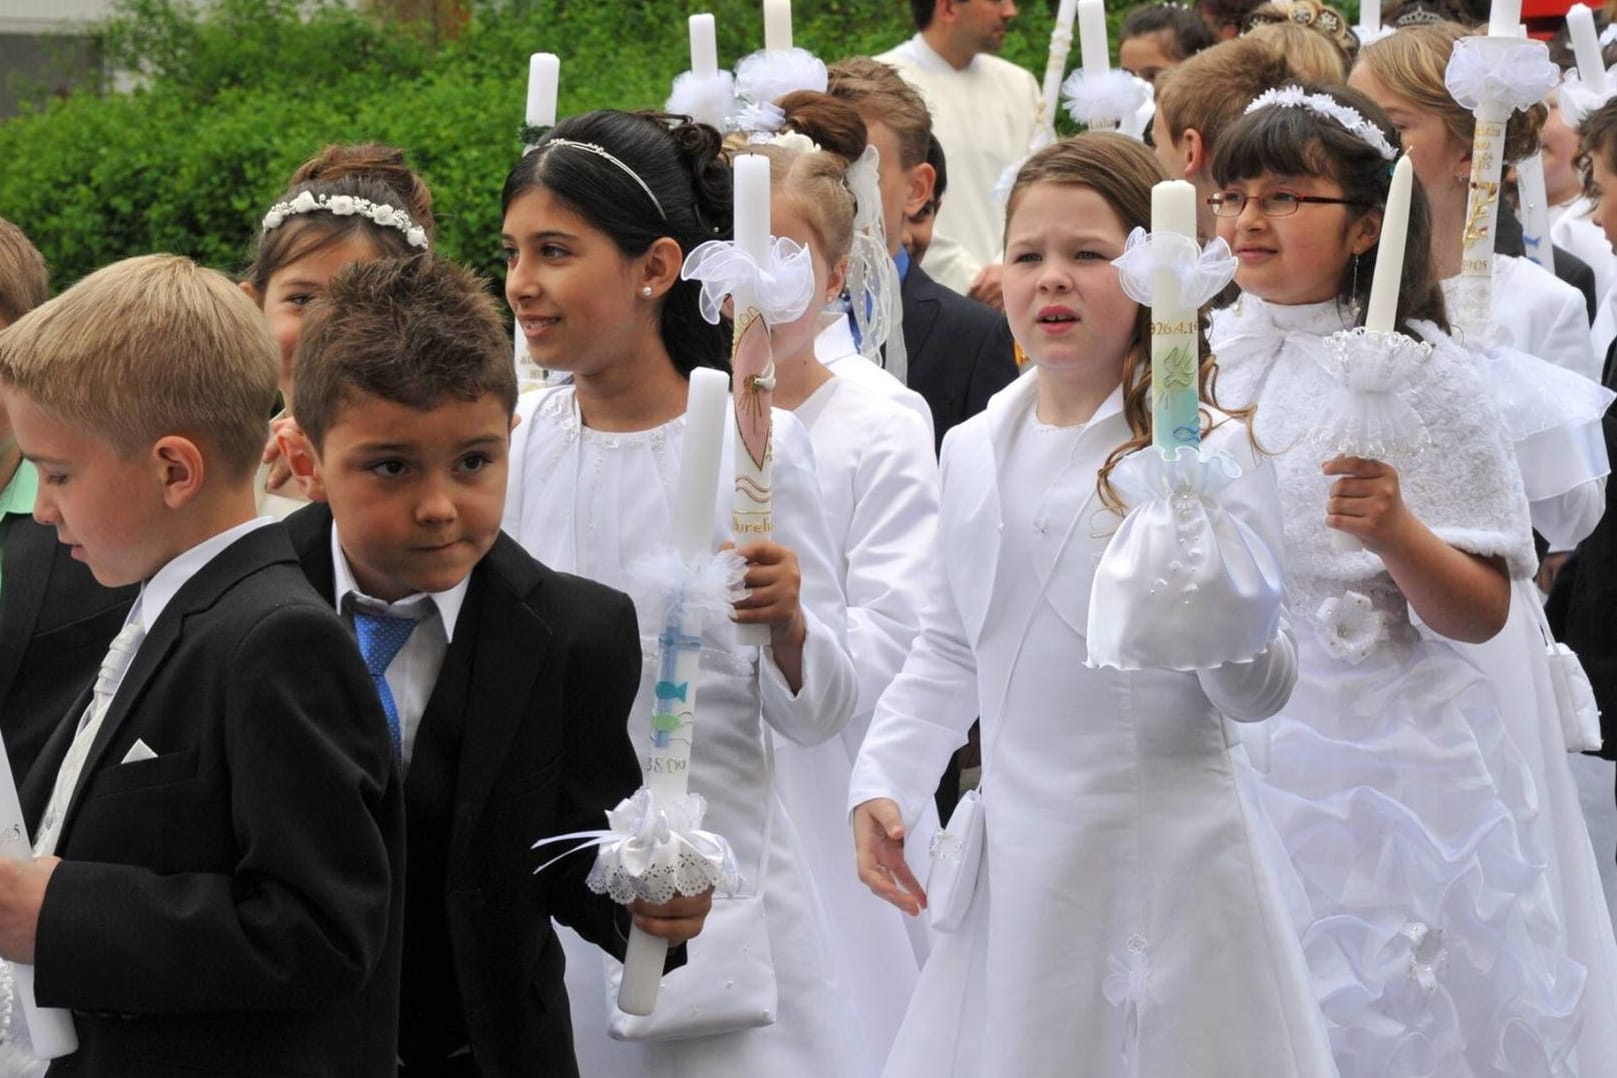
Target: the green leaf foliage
(234, 94)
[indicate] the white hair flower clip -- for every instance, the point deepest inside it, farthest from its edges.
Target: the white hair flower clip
(1294, 97)
(382, 215)
(795, 141)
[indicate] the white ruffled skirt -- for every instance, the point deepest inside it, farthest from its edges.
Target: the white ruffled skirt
(1432, 938)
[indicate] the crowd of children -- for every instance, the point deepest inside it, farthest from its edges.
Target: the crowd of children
(312, 624)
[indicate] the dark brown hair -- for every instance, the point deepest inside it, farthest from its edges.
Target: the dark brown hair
(1284, 141)
(832, 122)
(1597, 137)
(1122, 171)
(415, 331)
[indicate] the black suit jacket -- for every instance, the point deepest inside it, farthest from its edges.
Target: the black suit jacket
(56, 623)
(960, 351)
(232, 905)
(1585, 593)
(541, 674)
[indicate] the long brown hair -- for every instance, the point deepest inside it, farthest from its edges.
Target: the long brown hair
(1122, 172)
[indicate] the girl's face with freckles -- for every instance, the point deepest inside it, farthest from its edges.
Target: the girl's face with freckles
(1063, 296)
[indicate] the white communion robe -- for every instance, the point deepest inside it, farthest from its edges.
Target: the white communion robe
(596, 504)
(1125, 921)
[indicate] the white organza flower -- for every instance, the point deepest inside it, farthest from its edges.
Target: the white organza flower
(341, 205)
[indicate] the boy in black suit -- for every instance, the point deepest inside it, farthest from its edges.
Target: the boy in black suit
(55, 620)
(218, 828)
(510, 684)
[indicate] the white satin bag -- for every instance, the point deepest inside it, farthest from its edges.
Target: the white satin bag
(1574, 695)
(957, 854)
(1183, 584)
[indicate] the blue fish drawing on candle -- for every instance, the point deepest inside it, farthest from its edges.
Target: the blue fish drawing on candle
(669, 690)
(673, 640)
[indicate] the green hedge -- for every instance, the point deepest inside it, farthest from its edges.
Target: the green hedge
(234, 101)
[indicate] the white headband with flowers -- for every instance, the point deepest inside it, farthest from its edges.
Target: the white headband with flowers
(1329, 107)
(346, 206)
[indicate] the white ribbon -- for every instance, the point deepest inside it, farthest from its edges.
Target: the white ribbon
(1114, 97)
(1202, 272)
(1578, 99)
(769, 75)
(652, 852)
(782, 289)
(1370, 417)
(708, 99)
(1500, 71)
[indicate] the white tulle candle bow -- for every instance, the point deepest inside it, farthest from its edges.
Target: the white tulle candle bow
(544, 76)
(1382, 313)
(1175, 404)
(51, 1029)
(666, 765)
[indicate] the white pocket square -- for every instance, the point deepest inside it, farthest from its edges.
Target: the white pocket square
(139, 751)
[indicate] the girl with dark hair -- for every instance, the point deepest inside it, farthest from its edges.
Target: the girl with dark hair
(1431, 933)
(1124, 920)
(598, 220)
(1155, 37)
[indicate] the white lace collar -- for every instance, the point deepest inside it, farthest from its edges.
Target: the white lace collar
(1251, 314)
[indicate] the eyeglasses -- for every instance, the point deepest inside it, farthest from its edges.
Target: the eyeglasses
(1274, 204)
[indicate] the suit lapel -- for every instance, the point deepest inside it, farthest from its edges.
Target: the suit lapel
(512, 648)
(22, 592)
(920, 311)
(249, 554)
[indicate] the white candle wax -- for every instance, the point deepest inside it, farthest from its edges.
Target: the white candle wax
(1057, 65)
(1382, 314)
(1092, 37)
(1503, 17)
(1175, 354)
(777, 24)
(1580, 25)
(752, 205)
(544, 73)
(698, 489)
(704, 47)
(1370, 14)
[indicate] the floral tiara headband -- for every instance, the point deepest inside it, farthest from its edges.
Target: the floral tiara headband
(346, 206)
(603, 152)
(1293, 97)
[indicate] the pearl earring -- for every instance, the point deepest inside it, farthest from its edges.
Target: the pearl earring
(646, 291)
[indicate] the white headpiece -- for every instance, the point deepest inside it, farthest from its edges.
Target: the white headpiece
(346, 206)
(605, 154)
(1293, 97)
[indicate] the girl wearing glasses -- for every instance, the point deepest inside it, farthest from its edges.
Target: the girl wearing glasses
(1427, 922)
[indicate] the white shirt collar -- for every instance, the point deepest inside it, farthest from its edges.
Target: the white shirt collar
(159, 591)
(447, 603)
(835, 341)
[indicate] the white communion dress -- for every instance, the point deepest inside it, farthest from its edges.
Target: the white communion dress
(1124, 923)
(596, 504)
(1431, 930)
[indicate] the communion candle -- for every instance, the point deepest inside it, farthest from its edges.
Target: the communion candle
(1175, 355)
(1580, 25)
(704, 46)
(544, 72)
(1503, 17)
(1092, 38)
(1056, 66)
(1382, 313)
(777, 24)
(753, 364)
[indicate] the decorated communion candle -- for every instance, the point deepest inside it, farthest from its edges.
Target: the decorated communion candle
(1580, 25)
(1092, 37)
(777, 24)
(1175, 357)
(704, 47)
(544, 72)
(667, 765)
(752, 205)
(1382, 314)
(1056, 67)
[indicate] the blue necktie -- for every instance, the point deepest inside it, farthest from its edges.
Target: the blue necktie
(380, 639)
